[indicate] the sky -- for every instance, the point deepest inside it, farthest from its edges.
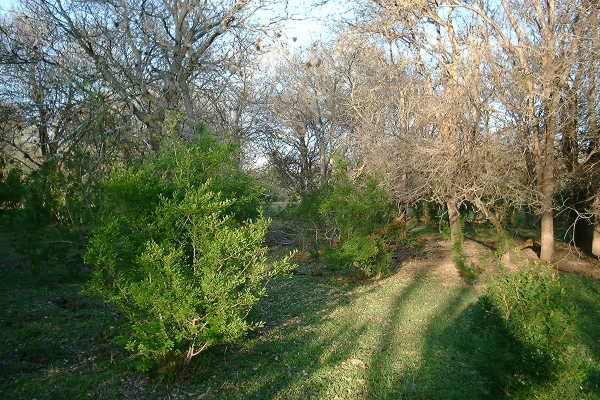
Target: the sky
(309, 23)
(6, 5)
(315, 23)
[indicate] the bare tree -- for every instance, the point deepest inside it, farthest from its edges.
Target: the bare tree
(540, 49)
(305, 117)
(34, 84)
(435, 145)
(152, 54)
(527, 50)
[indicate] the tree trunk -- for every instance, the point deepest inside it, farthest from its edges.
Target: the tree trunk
(42, 123)
(427, 213)
(454, 219)
(514, 217)
(456, 235)
(596, 238)
(491, 216)
(44, 140)
(547, 222)
(323, 162)
(547, 236)
(547, 183)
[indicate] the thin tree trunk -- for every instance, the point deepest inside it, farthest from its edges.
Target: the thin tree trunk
(427, 213)
(495, 219)
(42, 124)
(44, 140)
(454, 218)
(514, 217)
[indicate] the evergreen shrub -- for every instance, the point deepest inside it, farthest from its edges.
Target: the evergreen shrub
(540, 316)
(180, 252)
(357, 213)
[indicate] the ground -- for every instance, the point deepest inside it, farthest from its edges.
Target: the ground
(414, 335)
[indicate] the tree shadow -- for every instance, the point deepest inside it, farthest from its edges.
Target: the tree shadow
(440, 366)
(295, 365)
(481, 242)
(291, 357)
(288, 350)
(459, 350)
(484, 361)
(472, 356)
(585, 292)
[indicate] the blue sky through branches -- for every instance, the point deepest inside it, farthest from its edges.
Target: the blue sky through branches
(308, 22)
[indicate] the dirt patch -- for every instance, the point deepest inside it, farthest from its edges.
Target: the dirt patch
(514, 258)
(435, 258)
(569, 259)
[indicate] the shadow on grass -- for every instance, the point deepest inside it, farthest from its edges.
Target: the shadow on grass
(54, 342)
(428, 340)
(444, 369)
(349, 358)
(433, 341)
(383, 379)
(585, 293)
(287, 351)
(474, 356)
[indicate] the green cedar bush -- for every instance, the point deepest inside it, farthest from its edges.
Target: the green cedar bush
(12, 189)
(365, 254)
(53, 207)
(354, 207)
(178, 254)
(539, 315)
(63, 191)
(355, 211)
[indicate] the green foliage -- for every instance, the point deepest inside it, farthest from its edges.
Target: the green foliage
(536, 312)
(53, 209)
(365, 254)
(63, 191)
(357, 213)
(178, 254)
(12, 189)
(357, 207)
(46, 194)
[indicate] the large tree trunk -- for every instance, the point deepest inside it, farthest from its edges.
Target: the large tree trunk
(547, 236)
(547, 183)
(547, 222)
(456, 235)
(596, 238)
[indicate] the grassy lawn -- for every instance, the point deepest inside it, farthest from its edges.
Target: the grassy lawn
(419, 334)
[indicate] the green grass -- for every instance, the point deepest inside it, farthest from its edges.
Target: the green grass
(414, 335)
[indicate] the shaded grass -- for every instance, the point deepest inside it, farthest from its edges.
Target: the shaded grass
(54, 343)
(414, 335)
